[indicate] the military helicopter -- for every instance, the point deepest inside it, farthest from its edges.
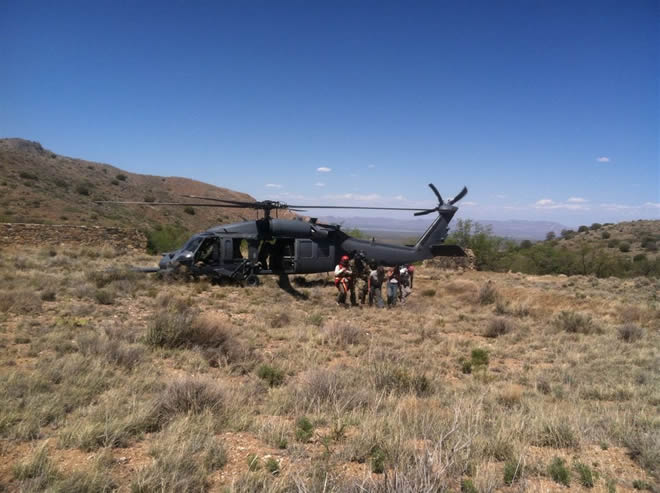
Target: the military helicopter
(287, 246)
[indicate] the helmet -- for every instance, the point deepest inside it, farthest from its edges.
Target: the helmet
(344, 259)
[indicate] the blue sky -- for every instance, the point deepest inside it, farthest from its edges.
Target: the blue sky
(544, 109)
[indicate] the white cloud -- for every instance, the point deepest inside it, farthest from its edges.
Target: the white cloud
(544, 202)
(371, 166)
(645, 205)
(399, 197)
(324, 169)
(603, 159)
(319, 184)
(273, 185)
(577, 200)
(653, 205)
(570, 204)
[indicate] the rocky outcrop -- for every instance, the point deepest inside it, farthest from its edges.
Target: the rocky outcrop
(65, 234)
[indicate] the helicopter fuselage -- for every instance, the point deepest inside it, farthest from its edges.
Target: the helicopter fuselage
(242, 251)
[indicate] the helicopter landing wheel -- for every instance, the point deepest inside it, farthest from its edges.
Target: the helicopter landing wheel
(252, 281)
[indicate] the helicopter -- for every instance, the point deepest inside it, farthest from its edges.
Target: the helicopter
(293, 246)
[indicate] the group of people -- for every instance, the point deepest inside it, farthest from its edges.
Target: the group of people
(355, 278)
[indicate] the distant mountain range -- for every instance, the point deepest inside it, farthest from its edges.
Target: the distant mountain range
(516, 229)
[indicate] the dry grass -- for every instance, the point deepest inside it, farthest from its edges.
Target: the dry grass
(172, 386)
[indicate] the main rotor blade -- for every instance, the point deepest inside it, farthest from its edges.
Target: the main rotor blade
(460, 195)
(423, 213)
(437, 194)
(236, 202)
(191, 204)
(354, 207)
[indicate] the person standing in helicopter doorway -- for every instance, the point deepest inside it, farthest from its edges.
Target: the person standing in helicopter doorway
(343, 277)
(360, 284)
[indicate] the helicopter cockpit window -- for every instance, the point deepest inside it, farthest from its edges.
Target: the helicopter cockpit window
(192, 244)
(205, 253)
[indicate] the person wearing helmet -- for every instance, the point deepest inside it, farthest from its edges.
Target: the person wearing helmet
(343, 276)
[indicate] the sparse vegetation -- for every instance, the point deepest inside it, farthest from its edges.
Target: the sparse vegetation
(160, 389)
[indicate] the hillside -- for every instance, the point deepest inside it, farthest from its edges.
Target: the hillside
(39, 186)
(629, 239)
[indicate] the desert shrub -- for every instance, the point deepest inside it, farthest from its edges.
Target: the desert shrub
(272, 465)
(184, 455)
(479, 358)
(102, 278)
(650, 245)
(644, 448)
(104, 297)
(114, 182)
(315, 319)
(467, 486)
(149, 198)
(630, 332)
(640, 257)
(583, 229)
(304, 429)
(121, 177)
(48, 294)
(499, 326)
(20, 301)
(512, 472)
(164, 238)
(343, 334)
(378, 457)
(428, 292)
(392, 377)
(112, 350)
(26, 175)
(487, 293)
(575, 322)
(82, 189)
(596, 226)
(559, 472)
(189, 210)
(585, 475)
(190, 395)
(605, 235)
(613, 243)
(640, 484)
(272, 375)
(280, 320)
(624, 247)
(253, 462)
(558, 435)
(38, 466)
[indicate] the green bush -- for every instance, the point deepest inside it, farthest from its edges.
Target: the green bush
(272, 465)
(605, 235)
(165, 238)
(378, 460)
(586, 476)
(596, 226)
(624, 247)
(583, 229)
(121, 177)
(189, 210)
(82, 189)
(479, 358)
(558, 470)
(576, 322)
(304, 429)
(512, 472)
(428, 292)
(273, 376)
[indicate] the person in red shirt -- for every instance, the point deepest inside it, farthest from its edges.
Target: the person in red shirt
(343, 276)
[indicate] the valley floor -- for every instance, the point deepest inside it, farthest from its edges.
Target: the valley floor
(480, 382)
